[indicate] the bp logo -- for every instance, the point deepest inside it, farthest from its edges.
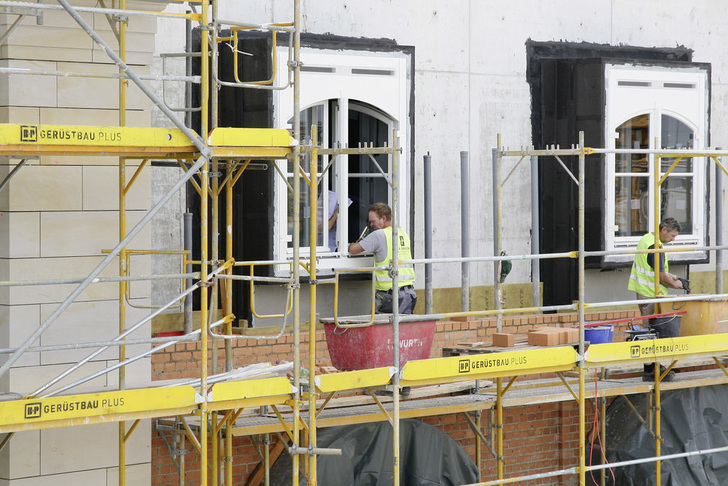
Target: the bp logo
(32, 410)
(634, 352)
(28, 133)
(463, 366)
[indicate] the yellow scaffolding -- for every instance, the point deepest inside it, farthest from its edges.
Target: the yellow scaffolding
(207, 410)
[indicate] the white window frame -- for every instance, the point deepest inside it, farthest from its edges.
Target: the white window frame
(377, 79)
(633, 90)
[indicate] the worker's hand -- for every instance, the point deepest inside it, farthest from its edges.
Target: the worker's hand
(684, 284)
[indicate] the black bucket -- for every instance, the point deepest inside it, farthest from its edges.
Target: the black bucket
(666, 327)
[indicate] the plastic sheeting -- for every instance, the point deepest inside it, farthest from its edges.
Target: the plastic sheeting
(692, 419)
(428, 457)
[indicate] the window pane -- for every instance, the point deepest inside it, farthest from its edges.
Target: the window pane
(633, 134)
(366, 184)
(632, 206)
(310, 116)
(631, 214)
(676, 192)
(676, 135)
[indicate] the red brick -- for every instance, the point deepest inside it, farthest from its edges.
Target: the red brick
(504, 339)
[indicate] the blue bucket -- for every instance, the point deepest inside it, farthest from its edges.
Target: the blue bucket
(599, 334)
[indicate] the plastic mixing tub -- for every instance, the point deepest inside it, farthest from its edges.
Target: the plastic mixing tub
(359, 348)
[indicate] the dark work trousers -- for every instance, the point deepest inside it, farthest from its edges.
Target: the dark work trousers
(407, 300)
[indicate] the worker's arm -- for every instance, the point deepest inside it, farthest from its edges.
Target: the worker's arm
(355, 248)
(670, 280)
(333, 218)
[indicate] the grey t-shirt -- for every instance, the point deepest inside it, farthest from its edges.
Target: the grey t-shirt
(375, 242)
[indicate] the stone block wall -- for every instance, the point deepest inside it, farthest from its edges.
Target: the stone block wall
(57, 216)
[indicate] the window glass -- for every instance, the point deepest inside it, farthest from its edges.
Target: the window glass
(313, 116)
(676, 192)
(366, 182)
(634, 178)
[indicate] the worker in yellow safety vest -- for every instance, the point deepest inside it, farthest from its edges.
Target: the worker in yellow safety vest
(642, 278)
(379, 242)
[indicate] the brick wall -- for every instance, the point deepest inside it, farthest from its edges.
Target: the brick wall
(538, 438)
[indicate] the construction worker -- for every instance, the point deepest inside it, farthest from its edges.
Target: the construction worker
(642, 278)
(379, 242)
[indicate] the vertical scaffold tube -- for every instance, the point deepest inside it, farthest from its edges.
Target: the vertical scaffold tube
(465, 229)
(313, 240)
(496, 187)
(719, 202)
(497, 226)
(658, 423)
(582, 369)
(228, 310)
(535, 235)
(123, 286)
(428, 232)
(296, 235)
(205, 184)
(395, 307)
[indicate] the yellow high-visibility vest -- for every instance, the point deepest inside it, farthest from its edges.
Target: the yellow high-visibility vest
(406, 272)
(642, 278)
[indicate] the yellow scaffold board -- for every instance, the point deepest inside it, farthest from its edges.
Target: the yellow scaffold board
(90, 408)
(490, 365)
(77, 139)
(651, 349)
(250, 393)
(238, 390)
(250, 137)
(351, 380)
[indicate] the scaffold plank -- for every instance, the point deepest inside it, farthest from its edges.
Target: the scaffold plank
(37, 413)
(250, 137)
(350, 380)
(485, 366)
(651, 349)
(148, 142)
(238, 390)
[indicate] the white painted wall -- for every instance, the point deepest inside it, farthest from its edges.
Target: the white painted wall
(470, 86)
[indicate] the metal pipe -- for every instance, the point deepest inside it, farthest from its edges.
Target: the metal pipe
(32, 283)
(187, 228)
(719, 201)
(109, 369)
(96, 344)
(228, 311)
(103, 11)
(465, 230)
(64, 74)
(204, 411)
(194, 138)
(296, 66)
(12, 173)
(100, 267)
(313, 293)
(118, 338)
(581, 278)
(395, 309)
(496, 187)
(428, 231)
(535, 235)
(188, 70)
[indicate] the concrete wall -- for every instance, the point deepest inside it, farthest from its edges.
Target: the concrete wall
(470, 86)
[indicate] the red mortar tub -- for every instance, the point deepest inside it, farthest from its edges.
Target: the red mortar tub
(359, 348)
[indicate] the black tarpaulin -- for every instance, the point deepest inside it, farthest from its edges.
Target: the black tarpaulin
(428, 457)
(693, 419)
